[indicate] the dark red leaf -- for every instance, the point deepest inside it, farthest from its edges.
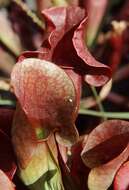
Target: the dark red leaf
(105, 151)
(78, 170)
(23, 138)
(6, 118)
(115, 47)
(64, 44)
(101, 177)
(124, 13)
(48, 98)
(68, 180)
(100, 72)
(7, 160)
(110, 136)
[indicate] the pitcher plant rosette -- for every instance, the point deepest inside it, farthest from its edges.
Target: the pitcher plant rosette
(39, 140)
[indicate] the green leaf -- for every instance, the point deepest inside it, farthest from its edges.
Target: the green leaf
(51, 175)
(49, 181)
(38, 166)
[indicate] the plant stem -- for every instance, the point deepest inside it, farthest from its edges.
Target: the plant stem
(6, 103)
(32, 15)
(111, 115)
(101, 108)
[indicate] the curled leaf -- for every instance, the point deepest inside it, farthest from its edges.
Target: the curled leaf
(105, 151)
(68, 19)
(112, 133)
(73, 41)
(48, 98)
(64, 45)
(100, 178)
(96, 73)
